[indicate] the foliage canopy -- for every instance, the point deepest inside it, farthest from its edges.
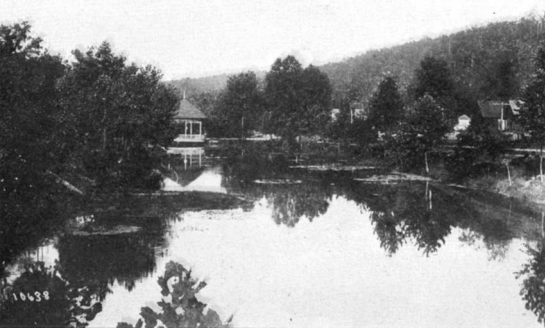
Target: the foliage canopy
(298, 100)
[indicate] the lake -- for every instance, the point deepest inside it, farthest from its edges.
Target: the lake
(268, 243)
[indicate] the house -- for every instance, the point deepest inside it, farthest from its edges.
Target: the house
(190, 120)
(358, 113)
(501, 114)
(462, 125)
(335, 112)
(355, 113)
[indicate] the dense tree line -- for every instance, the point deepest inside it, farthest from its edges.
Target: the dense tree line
(486, 61)
(97, 117)
(298, 100)
(239, 108)
(290, 102)
(127, 114)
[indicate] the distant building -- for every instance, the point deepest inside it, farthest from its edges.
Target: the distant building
(190, 121)
(500, 114)
(355, 113)
(358, 113)
(462, 125)
(335, 112)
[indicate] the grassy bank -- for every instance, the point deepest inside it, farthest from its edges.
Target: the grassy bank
(530, 190)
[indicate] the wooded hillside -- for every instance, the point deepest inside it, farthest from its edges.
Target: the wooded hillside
(492, 61)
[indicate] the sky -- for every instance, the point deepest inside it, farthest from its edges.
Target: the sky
(195, 38)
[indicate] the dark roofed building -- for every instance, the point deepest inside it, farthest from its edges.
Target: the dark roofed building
(499, 109)
(491, 108)
(190, 119)
(502, 114)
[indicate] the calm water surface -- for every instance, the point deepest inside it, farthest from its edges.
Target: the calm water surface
(313, 249)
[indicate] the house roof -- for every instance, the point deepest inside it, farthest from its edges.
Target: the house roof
(493, 108)
(188, 110)
(464, 118)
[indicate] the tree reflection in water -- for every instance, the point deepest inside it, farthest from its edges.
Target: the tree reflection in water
(289, 199)
(180, 306)
(102, 260)
(424, 214)
(533, 274)
(91, 257)
(291, 202)
(100, 255)
(402, 213)
(42, 297)
(407, 212)
(29, 215)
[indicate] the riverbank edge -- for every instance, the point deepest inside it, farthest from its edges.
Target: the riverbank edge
(518, 186)
(531, 191)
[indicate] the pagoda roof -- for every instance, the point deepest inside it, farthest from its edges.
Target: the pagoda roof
(187, 110)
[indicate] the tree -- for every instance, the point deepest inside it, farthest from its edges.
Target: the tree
(298, 100)
(339, 128)
(120, 114)
(239, 108)
(31, 129)
(423, 130)
(42, 297)
(180, 306)
(506, 85)
(532, 288)
(205, 101)
(532, 112)
(386, 106)
(433, 78)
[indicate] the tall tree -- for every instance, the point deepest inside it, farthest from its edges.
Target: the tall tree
(31, 128)
(507, 84)
(423, 130)
(239, 108)
(532, 112)
(386, 106)
(532, 289)
(121, 112)
(433, 78)
(298, 100)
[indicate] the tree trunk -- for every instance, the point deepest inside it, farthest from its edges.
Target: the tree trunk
(541, 163)
(543, 224)
(104, 139)
(426, 160)
(104, 131)
(427, 189)
(508, 173)
(242, 129)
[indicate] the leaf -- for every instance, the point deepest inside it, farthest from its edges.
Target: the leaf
(125, 325)
(150, 317)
